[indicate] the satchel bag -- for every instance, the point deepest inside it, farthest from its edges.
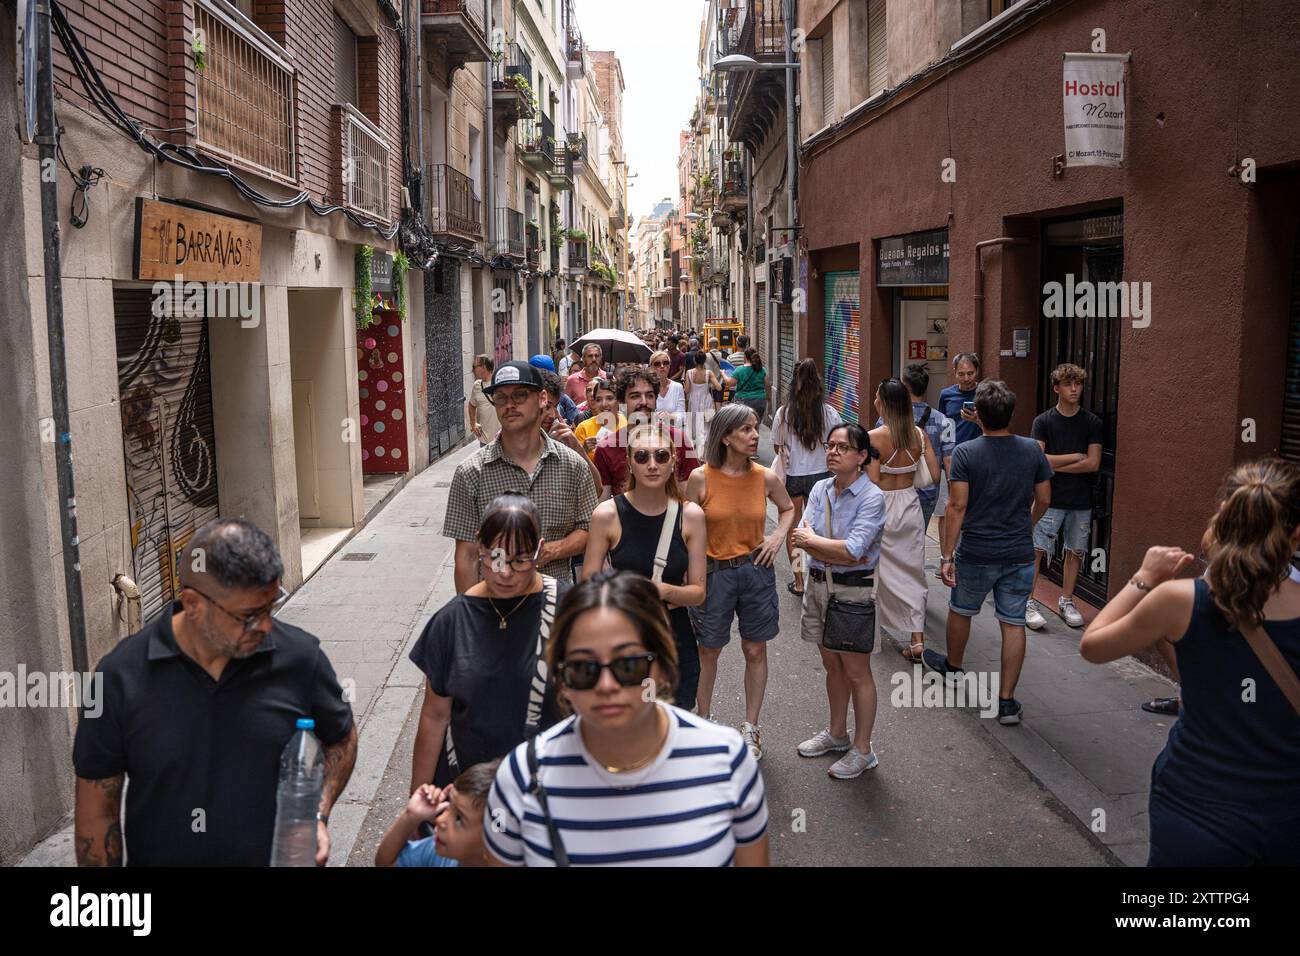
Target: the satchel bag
(922, 477)
(848, 625)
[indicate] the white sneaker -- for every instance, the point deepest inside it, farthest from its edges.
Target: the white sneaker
(852, 764)
(1034, 619)
(1070, 612)
(823, 743)
(753, 739)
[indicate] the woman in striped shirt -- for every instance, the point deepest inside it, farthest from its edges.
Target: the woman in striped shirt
(628, 780)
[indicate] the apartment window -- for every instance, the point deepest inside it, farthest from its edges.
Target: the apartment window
(877, 48)
(828, 78)
(345, 62)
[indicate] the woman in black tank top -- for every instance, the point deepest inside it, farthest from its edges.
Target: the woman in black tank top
(626, 531)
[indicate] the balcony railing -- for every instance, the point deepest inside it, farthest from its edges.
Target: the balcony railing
(578, 255)
(762, 36)
(574, 48)
(363, 162)
(510, 233)
(474, 10)
(763, 31)
(514, 62)
(537, 136)
(555, 253)
(244, 95)
(454, 207)
(577, 147)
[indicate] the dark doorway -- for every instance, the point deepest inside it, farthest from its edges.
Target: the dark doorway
(1090, 250)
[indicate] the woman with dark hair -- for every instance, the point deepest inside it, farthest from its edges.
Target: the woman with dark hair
(799, 430)
(901, 588)
(841, 534)
(628, 779)
(751, 384)
(482, 653)
(734, 491)
(628, 529)
(1225, 791)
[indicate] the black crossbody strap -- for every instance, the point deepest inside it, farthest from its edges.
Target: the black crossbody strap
(925, 416)
(538, 790)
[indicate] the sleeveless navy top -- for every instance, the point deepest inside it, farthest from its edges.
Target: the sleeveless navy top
(1223, 747)
(636, 552)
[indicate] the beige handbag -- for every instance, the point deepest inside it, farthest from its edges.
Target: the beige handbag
(922, 477)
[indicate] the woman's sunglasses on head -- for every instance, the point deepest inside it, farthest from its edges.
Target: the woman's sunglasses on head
(629, 671)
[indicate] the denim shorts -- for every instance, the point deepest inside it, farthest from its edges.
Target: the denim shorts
(747, 592)
(1010, 583)
(1074, 524)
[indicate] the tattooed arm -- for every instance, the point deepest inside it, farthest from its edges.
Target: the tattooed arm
(98, 823)
(339, 760)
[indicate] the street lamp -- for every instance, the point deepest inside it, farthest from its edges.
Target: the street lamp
(739, 63)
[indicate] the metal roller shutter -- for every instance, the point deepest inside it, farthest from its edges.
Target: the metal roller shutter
(165, 386)
(1289, 447)
(760, 321)
(828, 79)
(843, 320)
(785, 352)
(877, 48)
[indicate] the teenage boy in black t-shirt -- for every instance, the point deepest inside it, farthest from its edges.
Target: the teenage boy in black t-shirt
(1071, 438)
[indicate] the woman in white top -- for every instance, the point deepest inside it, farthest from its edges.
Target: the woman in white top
(901, 589)
(629, 780)
(701, 382)
(799, 431)
(672, 397)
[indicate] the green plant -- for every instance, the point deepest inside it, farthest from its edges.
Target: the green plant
(577, 235)
(364, 293)
(401, 265)
(200, 51)
(520, 83)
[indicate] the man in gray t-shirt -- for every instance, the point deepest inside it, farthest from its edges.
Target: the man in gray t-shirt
(999, 487)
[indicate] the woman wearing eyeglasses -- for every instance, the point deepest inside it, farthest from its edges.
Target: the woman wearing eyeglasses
(672, 397)
(628, 780)
(629, 530)
(483, 652)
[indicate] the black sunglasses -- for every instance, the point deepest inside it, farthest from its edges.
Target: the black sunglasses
(629, 671)
(662, 456)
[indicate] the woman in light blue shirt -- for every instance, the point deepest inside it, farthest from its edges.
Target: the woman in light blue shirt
(847, 546)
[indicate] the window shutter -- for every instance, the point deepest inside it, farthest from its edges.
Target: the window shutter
(345, 62)
(877, 48)
(828, 79)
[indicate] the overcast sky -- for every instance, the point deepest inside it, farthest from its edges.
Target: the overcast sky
(656, 42)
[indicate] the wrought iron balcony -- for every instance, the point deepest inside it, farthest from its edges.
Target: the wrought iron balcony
(363, 163)
(244, 97)
(537, 137)
(456, 29)
(454, 207)
(533, 243)
(618, 216)
(578, 254)
(577, 149)
(756, 97)
(562, 174)
(735, 187)
(510, 233)
(512, 86)
(574, 53)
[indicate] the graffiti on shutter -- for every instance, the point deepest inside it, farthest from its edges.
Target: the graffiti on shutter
(843, 340)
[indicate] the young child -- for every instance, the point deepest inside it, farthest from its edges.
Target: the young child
(457, 816)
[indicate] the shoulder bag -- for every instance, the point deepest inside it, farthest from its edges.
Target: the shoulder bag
(848, 625)
(1278, 669)
(922, 478)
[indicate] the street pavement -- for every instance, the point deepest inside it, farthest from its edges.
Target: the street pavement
(1066, 787)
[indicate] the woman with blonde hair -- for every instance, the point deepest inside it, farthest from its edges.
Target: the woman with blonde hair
(629, 530)
(671, 397)
(1225, 791)
(901, 588)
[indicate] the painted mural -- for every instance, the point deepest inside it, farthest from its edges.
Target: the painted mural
(381, 390)
(843, 342)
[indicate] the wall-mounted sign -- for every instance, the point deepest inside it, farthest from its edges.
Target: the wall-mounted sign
(199, 246)
(381, 271)
(1094, 94)
(920, 258)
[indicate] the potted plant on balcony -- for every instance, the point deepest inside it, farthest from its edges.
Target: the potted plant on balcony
(577, 235)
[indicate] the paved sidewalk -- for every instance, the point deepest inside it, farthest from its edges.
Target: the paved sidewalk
(1084, 735)
(367, 604)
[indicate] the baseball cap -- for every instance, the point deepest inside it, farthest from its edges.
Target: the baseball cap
(542, 361)
(514, 373)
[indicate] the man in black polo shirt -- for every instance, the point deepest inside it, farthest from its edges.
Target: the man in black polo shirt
(197, 709)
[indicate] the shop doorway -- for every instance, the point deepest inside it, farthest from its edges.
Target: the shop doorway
(921, 335)
(1089, 249)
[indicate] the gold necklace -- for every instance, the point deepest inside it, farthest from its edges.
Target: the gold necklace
(506, 616)
(637, 765)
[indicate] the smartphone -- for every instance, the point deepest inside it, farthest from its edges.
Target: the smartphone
(968, 406)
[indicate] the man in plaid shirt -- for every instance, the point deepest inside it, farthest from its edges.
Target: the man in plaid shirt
(524, 461)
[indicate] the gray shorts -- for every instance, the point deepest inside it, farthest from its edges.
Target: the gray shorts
(748, 593)
(941, 503)
(813, 619)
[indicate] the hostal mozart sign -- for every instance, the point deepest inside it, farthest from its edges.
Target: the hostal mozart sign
(199, 246)
(1093, 88)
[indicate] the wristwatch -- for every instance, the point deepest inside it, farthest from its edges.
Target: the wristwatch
(322, 818)
(943, 560)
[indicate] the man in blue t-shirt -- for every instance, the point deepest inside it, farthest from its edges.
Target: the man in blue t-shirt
(952, 402)
(1000, 486)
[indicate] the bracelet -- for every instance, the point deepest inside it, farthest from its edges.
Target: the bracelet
(322, 818)
(1139, 583)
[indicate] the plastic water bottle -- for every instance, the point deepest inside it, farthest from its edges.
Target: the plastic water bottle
(297, 799)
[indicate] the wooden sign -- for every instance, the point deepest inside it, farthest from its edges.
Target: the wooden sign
(199, 246)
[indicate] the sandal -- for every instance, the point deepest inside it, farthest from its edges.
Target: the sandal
(1163, 705)
(911, 655)
(791, 588)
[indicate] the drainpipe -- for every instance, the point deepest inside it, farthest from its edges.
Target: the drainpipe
(979, 283)
(47, 138)
(489, 146)
(419, 103)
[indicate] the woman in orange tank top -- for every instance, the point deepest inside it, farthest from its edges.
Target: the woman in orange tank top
(734, 491)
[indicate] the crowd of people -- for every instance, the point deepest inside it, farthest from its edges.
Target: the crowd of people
(613, 525)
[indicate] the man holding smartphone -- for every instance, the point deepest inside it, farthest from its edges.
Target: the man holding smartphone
(957, 402)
